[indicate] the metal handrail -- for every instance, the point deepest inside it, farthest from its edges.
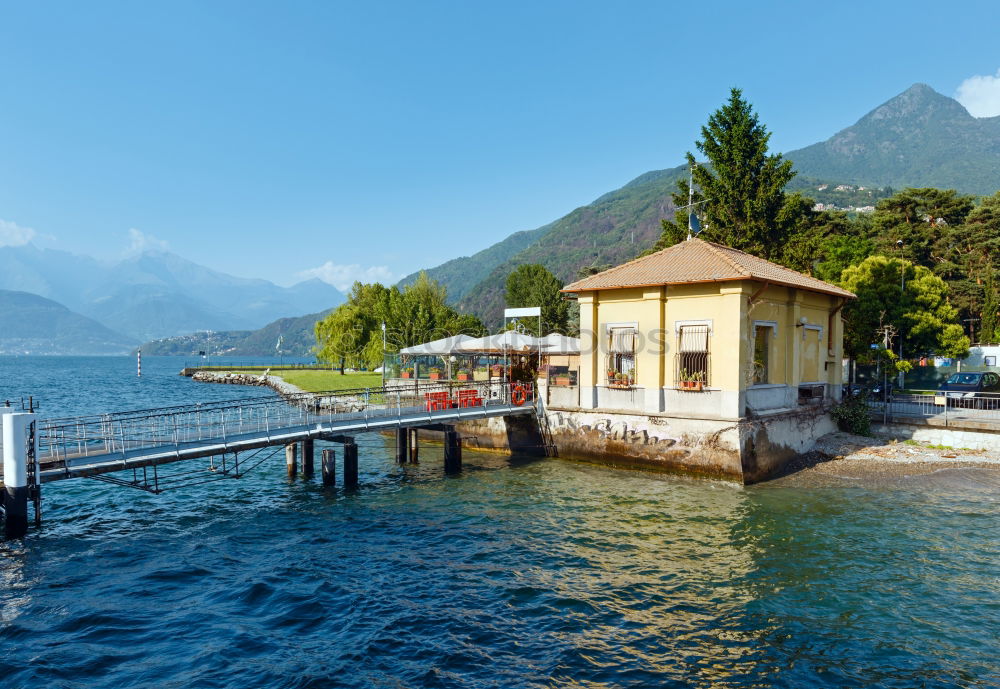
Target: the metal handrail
(204, 423)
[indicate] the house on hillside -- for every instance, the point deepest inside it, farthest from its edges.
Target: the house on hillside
(730, 357)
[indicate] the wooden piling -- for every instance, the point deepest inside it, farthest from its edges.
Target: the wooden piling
(350, 465)
(402, 444)
(329, 468)
(308, 457)
(452, 452)
(290, 459)
(414, 445)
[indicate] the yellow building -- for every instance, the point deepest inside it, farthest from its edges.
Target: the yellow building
(703, 331)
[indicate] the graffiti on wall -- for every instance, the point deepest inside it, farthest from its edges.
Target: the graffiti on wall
(616, 430)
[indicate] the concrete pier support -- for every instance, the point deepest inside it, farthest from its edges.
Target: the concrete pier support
(414, 445)
(452, 452)
(402, 444)
(291, 450)
(329, 468)
(16, 430)
(308, 458)
(350, 464)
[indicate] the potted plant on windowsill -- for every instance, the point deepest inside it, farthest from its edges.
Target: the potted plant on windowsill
(620, 381)
(496, 371)
(435, 374)
(692, 382)
(481, 373)
(463, 375)
(562, 380)
(407, 373)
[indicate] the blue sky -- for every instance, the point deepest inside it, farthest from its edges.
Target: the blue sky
(289, 139)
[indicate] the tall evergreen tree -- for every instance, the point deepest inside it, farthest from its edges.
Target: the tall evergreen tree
(741, 188)
(531, 284)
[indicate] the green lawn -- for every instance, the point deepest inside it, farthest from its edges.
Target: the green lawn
(321, 381)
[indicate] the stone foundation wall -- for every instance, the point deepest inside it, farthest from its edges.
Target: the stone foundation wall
(748, 450)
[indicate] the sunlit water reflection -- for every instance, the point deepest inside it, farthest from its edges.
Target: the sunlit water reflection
(518, 573)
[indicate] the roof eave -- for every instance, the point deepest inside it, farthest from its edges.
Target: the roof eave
(839, 293)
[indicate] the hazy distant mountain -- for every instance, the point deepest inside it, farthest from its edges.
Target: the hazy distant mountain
(30, 324)
(918, 138)
(297, 339)
(157, 293)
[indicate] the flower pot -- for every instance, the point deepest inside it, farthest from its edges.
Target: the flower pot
(435, 376)
(463, 376)
(692, 385)
(562, 381)
(407, 374)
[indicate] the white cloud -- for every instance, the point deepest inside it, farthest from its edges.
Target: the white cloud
(140, 242)
(12, 234)
(343, 276)
(980, 95)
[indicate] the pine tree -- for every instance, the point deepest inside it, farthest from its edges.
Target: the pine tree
(742, 187)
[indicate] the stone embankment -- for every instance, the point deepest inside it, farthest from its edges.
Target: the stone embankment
(263, 380)
(333, 404)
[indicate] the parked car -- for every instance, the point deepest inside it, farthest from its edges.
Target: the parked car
(882, 392)
(970, 389)
(851, 390)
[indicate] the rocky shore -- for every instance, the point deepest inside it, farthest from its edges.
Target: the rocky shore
(263, 380)
(854, 457)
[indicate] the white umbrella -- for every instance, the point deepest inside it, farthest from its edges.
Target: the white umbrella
(442, 347)
(509, 341)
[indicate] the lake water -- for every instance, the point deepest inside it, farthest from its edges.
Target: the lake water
(517, 573)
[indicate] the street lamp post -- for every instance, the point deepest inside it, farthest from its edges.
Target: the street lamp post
(383, 355)
(902, 291)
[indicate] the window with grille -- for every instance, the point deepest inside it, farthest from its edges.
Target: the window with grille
(621, 356)
(692, 353)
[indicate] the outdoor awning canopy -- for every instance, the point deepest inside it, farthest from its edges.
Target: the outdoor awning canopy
(442, 347)
(555, 344)
(509, 341)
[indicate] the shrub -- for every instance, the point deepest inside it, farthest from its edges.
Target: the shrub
(854, 416)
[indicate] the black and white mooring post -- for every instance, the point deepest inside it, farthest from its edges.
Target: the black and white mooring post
(18, 434)
(138, 362)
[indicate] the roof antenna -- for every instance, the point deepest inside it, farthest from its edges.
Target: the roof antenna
(694, 227)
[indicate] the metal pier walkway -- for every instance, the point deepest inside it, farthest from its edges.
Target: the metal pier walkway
(37, 451)
(93, 445)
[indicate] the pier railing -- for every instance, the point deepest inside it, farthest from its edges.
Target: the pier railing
(121, 432)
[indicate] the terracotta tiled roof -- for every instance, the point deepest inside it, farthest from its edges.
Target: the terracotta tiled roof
(696, 260)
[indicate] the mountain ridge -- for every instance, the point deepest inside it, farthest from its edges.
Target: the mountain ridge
(157, 293)
(31, 324)
(917, 138)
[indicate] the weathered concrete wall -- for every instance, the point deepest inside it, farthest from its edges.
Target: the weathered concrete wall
(965, 438)
(748, 450)
(519, 434)
(769, 442)
(656, 442)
